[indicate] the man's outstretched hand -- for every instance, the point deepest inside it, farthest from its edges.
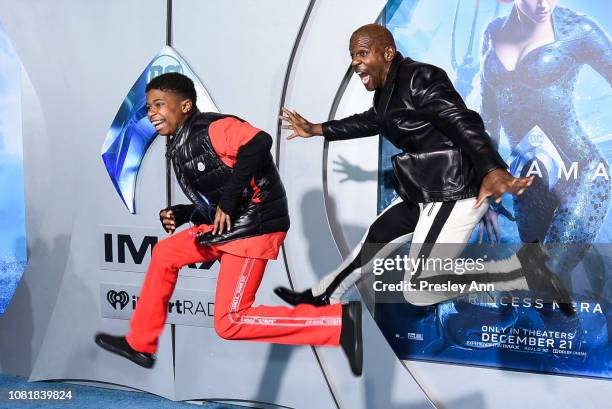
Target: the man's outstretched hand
(300, 126)
(498, 182)
(222, 222)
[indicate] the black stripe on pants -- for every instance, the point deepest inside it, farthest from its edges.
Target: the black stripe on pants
(432, 235)
(396, 221)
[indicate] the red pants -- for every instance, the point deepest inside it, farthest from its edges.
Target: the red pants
(235, 317)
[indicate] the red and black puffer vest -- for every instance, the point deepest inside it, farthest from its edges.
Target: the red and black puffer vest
(202, 176)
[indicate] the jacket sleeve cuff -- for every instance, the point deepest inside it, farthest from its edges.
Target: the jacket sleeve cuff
(328, 131)
(182, 212)
(228, 205)
(494, 161)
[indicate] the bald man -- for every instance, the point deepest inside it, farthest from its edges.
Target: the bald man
(445, 176)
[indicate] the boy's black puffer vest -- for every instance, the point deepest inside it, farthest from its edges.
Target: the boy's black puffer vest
(202, 176)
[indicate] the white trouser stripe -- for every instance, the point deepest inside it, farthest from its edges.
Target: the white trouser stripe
(236, 318)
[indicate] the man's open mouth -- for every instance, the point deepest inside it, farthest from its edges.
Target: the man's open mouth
(365, 78)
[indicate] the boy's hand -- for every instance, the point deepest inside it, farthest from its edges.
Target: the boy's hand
(222, 220)
(167, 219)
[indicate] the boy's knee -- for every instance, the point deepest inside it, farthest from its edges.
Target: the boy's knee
(163, 255)
(225, 327)
(160, 248)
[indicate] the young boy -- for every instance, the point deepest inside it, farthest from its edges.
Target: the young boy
(239, 209)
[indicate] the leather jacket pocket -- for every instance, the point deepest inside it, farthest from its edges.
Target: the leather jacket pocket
(425, 173)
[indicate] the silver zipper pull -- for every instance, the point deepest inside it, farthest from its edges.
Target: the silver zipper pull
(431, 209)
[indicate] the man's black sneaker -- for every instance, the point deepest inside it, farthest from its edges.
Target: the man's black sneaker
(541, 280)
(120, 346)
(305, 297)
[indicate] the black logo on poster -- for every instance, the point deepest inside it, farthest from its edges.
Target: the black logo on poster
(122, 298)
(125, 249)
(126, 242)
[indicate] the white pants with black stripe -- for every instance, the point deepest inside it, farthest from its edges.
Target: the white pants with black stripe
(427, 224)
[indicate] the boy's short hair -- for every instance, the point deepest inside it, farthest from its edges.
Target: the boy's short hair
(174, 82)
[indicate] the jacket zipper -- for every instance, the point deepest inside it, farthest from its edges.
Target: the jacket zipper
(431, 209)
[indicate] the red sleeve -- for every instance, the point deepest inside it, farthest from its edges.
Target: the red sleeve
(227, 135)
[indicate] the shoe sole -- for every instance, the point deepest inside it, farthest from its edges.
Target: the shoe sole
(145, 363)
(355, 315)
(555, 286)
(358, 369)
(564, 301)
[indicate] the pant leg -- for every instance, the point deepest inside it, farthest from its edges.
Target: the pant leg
(442, 232)
(169, 255)
(391, 229)
(237, 319)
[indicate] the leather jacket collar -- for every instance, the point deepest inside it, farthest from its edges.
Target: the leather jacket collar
(382, 96)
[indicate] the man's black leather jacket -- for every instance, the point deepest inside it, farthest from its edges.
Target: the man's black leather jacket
(446, 151)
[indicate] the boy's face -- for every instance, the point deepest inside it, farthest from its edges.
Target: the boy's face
(166, 110)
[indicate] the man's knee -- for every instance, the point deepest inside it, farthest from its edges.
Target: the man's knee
(374, 242)
(379, 233)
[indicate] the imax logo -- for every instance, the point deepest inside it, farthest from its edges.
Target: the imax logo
(137, 251)
(127, 249)
(131, 249)
(121, 244)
